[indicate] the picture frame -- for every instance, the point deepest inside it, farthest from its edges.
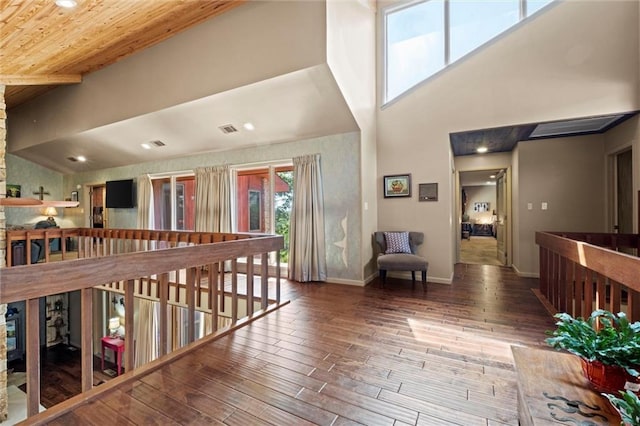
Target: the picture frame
(428, 192)
(481, 207)
(13, 191)
(397, 185)
(74, 196)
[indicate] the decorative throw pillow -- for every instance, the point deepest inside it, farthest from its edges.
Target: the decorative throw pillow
(397, 242)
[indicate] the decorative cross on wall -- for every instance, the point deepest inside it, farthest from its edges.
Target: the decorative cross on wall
(41, 193)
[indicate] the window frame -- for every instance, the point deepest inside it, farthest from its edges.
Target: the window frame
(522, 17)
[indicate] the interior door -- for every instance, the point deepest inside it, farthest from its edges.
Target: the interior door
(98, 212)
(624, 193)
(501, 213)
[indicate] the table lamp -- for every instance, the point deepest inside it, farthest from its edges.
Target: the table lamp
(50, 212)
(114, 325)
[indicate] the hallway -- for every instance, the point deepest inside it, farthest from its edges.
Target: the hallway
(479, 251)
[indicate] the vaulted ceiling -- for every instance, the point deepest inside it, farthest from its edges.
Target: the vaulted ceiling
(43, 45)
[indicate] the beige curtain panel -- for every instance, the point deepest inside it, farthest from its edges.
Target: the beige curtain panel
(145, 202)
(307, 260)
(213, 199)
(146, 332)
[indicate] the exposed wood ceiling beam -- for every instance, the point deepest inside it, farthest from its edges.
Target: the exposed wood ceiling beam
(39, 80)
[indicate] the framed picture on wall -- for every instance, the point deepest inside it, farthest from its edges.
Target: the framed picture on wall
(481, 207)
(74, 196)
(13, 191)
(397, 186)
(428, 192)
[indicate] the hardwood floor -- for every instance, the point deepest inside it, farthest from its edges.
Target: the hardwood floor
(339, 355)
(479, 250)
(60, 374)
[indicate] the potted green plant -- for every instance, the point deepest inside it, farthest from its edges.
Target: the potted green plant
(607, 344)
(628, 405)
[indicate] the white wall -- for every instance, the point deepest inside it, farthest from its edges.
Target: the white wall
(351, 54)
(620, 138)
(251, 43)
(542, 71)
(30, 177)
(480, 194)
(340, 156)
(568, 174)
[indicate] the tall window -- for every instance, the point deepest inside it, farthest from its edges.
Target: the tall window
(174, 202)
(423, 37)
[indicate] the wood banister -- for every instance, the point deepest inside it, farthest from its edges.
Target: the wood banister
(117, 260)
(580, 272)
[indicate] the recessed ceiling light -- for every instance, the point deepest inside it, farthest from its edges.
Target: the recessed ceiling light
(481, 149)
(492, 176)
(249, 126)
(145, 145)
(81, 158)
(67, 4)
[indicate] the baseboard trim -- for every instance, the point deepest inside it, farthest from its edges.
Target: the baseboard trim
(525, 274)
(345, 282)
(430, 279)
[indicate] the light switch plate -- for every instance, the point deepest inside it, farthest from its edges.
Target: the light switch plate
(529, 206)
(544, 206)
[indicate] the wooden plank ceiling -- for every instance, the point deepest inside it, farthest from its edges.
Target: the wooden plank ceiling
(43, 45)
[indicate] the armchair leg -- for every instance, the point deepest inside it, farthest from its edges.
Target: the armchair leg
(424, 280)
(383, 275)
(413, 280)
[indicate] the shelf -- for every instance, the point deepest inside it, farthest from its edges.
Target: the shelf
(32, 202)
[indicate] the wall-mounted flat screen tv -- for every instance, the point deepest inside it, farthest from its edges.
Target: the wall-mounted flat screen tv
(121, 194)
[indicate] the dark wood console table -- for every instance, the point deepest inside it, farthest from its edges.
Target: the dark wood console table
(552, 391)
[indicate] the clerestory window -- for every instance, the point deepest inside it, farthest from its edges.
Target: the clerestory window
(423, 37)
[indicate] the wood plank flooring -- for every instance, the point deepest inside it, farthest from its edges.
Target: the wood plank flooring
(342, 355)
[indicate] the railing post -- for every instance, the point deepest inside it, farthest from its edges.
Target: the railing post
(250, 285)
(234, 291)
(544, 272)
(163, 295)
(191, 315)
(213, 295)
(128, 325)
(264, 280)
(563, 284)
(33, 356)
(278, 277)
(86, 350)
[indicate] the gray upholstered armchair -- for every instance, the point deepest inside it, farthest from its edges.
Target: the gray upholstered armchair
(397, 252)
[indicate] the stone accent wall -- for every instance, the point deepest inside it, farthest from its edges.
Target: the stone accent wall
(4, 403)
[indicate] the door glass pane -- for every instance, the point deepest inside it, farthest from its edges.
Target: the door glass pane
(414, 45)
(162, 203)
(474, 23)
(186, 203)
(183, 204)
(255, 219)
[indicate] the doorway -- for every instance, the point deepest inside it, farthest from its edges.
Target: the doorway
(621, 204)
(484, 201)
(98, 212)
(624, 193)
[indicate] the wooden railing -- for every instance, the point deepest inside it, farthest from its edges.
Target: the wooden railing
(580, 272)
(186, 268)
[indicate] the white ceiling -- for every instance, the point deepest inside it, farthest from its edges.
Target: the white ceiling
(299, 105)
